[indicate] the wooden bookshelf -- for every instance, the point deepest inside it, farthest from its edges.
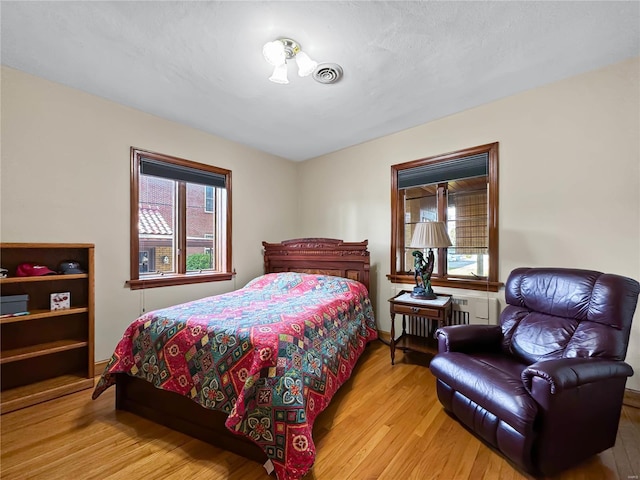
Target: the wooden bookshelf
(46, 353)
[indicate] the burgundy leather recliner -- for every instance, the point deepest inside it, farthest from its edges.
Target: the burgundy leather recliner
(545, 387)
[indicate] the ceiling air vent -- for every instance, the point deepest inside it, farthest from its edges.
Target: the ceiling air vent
(327, 73)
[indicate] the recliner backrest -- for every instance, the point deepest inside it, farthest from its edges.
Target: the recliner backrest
(561, 312)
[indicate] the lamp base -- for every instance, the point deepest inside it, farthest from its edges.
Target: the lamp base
(421, 294)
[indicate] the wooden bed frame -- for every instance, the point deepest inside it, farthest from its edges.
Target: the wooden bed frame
(306, 255)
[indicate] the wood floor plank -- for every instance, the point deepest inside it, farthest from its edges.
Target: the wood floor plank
(629, 437)
(384, 423)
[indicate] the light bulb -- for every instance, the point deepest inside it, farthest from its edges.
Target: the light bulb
(306, 66)
(280, 74)
(274, 53)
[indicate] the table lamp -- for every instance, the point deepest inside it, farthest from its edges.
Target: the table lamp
(427, 235)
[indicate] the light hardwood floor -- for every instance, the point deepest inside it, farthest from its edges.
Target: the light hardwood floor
(385, 423)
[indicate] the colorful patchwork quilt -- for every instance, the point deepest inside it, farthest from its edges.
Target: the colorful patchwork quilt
(271, 355)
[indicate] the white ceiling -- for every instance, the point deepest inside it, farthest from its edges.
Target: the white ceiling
(405, 63)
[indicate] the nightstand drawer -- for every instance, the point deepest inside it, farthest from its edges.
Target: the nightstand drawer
(419, 311)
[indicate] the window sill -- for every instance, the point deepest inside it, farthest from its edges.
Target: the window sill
(177, 279)
(467, 284)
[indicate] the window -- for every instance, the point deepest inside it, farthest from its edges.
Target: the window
(180, 221)
(143, 262)
(460, 189)
(209, 196)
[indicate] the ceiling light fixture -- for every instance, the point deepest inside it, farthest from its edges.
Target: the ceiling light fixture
(279, 51)
(279, 74)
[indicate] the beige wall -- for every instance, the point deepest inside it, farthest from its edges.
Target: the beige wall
(569, 184)
(65, 178)
(569, 181)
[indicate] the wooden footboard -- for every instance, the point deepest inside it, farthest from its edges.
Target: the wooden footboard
(182, 414)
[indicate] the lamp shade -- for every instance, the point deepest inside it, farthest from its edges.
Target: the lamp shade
(280, 74)
(306, 66)
(430, 235)
(274, 53)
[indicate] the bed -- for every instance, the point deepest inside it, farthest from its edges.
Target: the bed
(249, 371)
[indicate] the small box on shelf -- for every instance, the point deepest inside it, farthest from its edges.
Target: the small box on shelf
(12, 304)
(60, 301)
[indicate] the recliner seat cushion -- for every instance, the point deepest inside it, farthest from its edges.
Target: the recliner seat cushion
(492, 381)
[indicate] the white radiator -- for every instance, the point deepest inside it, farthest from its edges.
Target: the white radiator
(469, 309)
(475, 310)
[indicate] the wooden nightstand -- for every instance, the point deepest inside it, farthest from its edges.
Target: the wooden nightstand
(422, 315)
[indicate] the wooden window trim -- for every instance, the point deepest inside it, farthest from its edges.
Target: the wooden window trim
(491, 283)
(467, 284)
(182, 277)
(167, 280)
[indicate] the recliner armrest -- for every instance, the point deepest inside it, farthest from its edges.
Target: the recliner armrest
(565, 373)
(469, 338)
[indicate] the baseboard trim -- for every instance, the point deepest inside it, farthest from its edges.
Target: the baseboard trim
(100, 366)
(384, 337)
(631, 398)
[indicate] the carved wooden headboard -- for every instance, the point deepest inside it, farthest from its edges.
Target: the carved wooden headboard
(325, 256)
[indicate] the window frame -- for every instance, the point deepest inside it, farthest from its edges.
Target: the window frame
(491, 283)
(182, 277)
